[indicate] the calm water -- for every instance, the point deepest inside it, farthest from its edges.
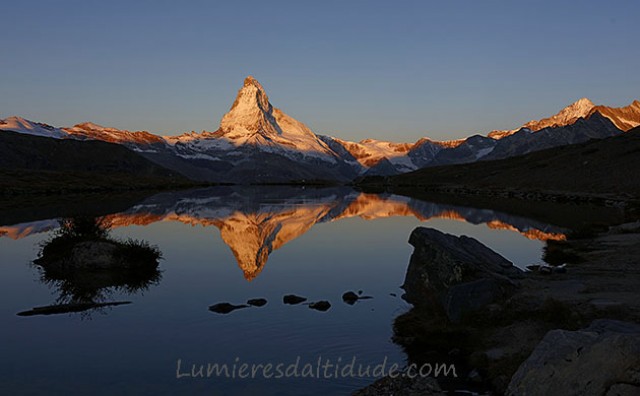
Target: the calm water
(229, 245)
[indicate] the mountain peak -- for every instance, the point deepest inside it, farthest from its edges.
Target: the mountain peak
(22, 125)
(583, 102)
(251, 112)
(250, 80)
(254, 121)
(582, 106)
(570, 114)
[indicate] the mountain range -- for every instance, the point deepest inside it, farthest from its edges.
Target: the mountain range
(258, 143)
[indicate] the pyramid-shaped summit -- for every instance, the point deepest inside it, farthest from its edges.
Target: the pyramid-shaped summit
(253, 120)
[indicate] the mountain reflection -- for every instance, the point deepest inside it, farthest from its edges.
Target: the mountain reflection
(255, 221)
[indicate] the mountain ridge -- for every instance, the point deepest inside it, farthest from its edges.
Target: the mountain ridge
(257, 142)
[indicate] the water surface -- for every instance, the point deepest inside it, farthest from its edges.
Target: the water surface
(229, 245)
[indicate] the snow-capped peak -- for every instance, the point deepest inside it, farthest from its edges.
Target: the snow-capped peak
(89, 130)
(253, 120)
(581, 108)
(566, 116)
(21, 125)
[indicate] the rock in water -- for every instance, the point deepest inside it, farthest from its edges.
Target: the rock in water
(257, 302)
(320, 306)
(225, 308)
(350, 297)
(598, 360)
(457, 273)
(292, 299)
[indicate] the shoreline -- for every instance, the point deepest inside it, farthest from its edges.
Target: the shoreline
(598, 283)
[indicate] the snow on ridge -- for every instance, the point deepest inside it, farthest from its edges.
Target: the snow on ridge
(24, 126)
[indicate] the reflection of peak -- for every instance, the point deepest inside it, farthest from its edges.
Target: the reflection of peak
(253, 236)
(531, 233)
(254, 222)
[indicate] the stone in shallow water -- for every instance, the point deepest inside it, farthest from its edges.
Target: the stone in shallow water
(225, 308)
(292, 299)
(257, 302)
(320, 305)
(350, 297)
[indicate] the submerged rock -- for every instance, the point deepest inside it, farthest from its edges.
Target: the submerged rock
(594, 361)
(225, 308)
(257, 302)
(292, 299)
(320, 305)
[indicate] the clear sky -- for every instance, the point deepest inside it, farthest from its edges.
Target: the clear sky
(396, 70)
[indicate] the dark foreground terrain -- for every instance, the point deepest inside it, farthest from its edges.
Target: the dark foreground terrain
(39, 165)
(570, 328)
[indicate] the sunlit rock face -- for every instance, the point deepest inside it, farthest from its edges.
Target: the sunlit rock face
(624, 118)
(253, 120)
(254, 224)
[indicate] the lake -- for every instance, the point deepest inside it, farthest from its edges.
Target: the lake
(230, 244)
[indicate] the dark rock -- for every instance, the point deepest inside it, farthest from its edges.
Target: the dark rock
(586, 362)
(402, 385)
(470, 296)
(257, 302)
(292, 299)
(350, 297)
(320, 305)
(623, 390)
(225, 308)
(545, 269)
(458, 274)
(474, 376)
(560, 269)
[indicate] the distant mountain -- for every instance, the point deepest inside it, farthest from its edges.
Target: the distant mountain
(20, 125)
(606, 167)
(525, 141)
(624, 118)
(258, 143)
(39, 164)
(91, 131)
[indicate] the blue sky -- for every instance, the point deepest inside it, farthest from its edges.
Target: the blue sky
(396, 70)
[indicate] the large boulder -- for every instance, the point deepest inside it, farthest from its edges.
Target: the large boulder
(459, 274)
(603, 359)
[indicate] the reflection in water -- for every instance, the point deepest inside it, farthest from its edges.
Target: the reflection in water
(85, 266)
(254, 222)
